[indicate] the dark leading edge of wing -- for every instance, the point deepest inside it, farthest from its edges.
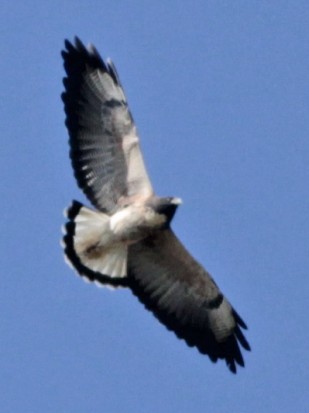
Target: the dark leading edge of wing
(97, 118)
(183, 296)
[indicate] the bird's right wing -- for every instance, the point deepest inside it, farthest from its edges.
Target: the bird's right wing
(105, 151)
(184, 297)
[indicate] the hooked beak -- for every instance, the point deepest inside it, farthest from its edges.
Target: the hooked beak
(176, 201)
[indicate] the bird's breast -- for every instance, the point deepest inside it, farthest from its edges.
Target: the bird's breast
(135, 222)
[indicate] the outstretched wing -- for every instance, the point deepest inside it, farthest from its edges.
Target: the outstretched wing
(184, 297)
(105, 152)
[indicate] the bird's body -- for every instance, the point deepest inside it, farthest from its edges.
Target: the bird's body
(127, 240)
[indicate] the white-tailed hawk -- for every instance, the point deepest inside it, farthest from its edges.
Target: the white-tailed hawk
(126, 240)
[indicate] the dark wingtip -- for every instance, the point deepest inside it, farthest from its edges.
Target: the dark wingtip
(231, 366)
(69, 46)
(242, 339)
(239, 320)
(78, 43)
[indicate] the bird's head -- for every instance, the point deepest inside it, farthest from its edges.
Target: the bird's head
(166, 206)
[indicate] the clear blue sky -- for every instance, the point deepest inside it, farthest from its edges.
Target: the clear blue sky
(220, 94)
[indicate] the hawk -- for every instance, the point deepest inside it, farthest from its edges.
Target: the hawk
(127, 240)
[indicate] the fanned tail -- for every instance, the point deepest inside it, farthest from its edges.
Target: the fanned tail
(88, 248)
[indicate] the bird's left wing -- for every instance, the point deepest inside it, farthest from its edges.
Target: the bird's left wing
(105, 151)
(184, 297)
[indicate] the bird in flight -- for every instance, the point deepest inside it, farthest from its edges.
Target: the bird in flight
(127, 240)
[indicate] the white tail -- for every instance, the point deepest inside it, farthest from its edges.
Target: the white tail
(90, 247)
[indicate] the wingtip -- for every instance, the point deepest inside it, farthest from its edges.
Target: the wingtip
(239, 320)
(77, 41)
(67, 44)
(232, 367)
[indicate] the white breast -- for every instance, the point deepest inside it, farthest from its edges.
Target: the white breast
(135, 221)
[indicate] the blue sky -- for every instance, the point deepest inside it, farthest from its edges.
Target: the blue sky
(220, 94)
